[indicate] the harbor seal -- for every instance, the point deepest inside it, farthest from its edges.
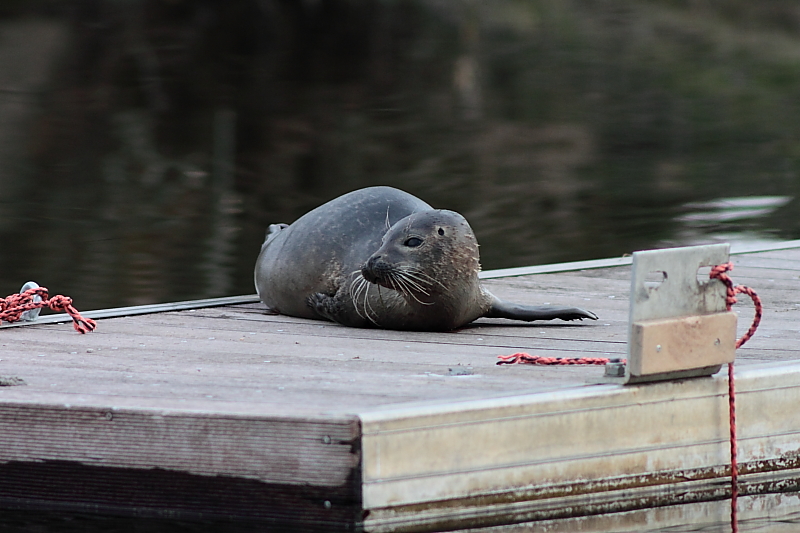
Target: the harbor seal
(380, 257)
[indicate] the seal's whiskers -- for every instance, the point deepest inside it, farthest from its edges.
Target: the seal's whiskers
(368, 306)
(355, 284)
(405, 284)
(422, 277)
(409, 282)
(415, 278)
(359, 295)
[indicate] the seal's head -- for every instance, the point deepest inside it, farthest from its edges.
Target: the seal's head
(426, 256)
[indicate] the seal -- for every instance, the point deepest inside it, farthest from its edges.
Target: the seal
(380, 257)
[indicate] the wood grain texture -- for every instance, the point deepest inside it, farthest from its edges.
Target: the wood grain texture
(676, 344)
(214, 358)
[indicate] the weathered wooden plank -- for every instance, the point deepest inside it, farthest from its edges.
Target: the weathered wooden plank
(192, 345)
(604, 279)
(557, 267)
(216, 501)
(268, 329)
(674, 344)
(501, 339)
(787, 253)
(540, 335)
(744, 248)
(139, 310)
(281, 392)
(405, 361)
(347, 372)
(275, 450)
(785, 267)
(181, 463)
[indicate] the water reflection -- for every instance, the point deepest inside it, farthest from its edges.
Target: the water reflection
(737, 220)
(765, 513)
(146, 145)
(728, 209)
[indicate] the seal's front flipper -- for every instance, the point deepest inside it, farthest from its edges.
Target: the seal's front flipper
(325, 306)
(528, 313)
(339, 308)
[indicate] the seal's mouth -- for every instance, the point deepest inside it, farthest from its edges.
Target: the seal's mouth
(412, 283)
(376, 271)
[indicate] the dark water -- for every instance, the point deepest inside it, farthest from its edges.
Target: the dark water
(146, 145)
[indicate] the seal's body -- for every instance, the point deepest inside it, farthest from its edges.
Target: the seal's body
(380, 257)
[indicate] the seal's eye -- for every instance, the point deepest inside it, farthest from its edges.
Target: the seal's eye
(412, 242)
(441, 231)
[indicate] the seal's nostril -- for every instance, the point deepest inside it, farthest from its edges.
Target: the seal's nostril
(370, 264)
(367, 270)
(375, 269)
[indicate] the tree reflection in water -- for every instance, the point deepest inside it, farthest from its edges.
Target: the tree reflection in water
(145, 146)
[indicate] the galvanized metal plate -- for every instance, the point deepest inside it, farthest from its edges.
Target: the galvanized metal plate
(680, 293)
(666, 292)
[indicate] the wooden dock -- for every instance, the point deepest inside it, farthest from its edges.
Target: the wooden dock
(217, 410)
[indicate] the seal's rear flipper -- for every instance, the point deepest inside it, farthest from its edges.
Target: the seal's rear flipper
(528, 313)
(272, 232)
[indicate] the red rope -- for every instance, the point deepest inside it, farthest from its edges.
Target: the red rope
(719, 272)
(525, 358)
(12, 307)
(734, 451)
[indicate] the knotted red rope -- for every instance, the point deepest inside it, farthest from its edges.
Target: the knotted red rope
(12, 307)
(526, 358)
(719, 272)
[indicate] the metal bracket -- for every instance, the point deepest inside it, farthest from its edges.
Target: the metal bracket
(679, 326)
